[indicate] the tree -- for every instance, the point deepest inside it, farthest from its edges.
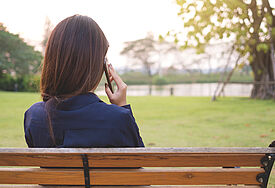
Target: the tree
(48, 27)
(141, 51)
(250, 24)
(17, 57)
(148, 53)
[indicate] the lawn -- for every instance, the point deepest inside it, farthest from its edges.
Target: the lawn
(170, 121)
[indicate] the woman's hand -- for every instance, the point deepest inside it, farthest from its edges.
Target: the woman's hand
(119, 96)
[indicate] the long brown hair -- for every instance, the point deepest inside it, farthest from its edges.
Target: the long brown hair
(73, 62)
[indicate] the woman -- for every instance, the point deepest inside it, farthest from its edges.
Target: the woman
(71, 115)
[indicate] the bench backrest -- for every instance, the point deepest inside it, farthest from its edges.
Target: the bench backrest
(255, 166)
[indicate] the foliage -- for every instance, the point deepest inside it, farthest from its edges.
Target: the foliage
(7, 82)
(22, 83)
(28, 83)
(159, 80)
(250, 24)
(141, 50)
(138, 78)
(16, 56)
(48, 27)
(147, 52)
(205, 20)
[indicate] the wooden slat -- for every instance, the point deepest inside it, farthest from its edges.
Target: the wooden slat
(209, 176)
(132, 160)
(256, 150)
(176, 186)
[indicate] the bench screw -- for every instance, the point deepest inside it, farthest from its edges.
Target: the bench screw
(261, 180)
(189, 176)
(265, 163)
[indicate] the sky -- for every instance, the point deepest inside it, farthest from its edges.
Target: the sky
(120, 20)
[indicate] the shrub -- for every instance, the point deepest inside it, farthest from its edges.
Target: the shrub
(23, 83)
(7, 82)
(157, 80)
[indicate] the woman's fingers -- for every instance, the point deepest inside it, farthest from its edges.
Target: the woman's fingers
(116, 78)
(111, 78)
(119, 96)
(108, 91)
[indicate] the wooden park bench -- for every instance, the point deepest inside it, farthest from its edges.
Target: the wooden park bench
(202, 166)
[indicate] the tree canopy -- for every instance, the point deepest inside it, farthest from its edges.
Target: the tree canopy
(16, 56)
(250, 24)
(148, 53)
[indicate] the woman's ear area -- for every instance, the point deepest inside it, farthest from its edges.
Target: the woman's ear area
(100, 78)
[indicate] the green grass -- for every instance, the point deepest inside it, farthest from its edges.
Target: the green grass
(170, 121)
(196, 121)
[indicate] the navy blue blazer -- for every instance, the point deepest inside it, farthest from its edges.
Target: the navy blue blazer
(82, 121)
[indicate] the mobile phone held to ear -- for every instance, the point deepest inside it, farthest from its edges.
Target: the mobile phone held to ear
(105, 67)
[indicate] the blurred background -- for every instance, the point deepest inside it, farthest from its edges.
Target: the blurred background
(199, 72)
(167, 47)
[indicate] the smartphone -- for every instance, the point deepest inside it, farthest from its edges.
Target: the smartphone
(105, 67)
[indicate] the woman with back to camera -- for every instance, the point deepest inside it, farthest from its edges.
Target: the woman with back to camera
(71, 115)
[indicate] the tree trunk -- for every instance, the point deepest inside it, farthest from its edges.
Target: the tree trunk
(263, 87)
(229, 76)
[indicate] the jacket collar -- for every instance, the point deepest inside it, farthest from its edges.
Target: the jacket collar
(78, 101)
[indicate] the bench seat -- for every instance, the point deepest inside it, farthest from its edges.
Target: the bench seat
(162, 167)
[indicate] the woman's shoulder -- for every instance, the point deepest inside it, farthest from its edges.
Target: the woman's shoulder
(114, 110)
(36, 112)
(36, 107)
(100, 107)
